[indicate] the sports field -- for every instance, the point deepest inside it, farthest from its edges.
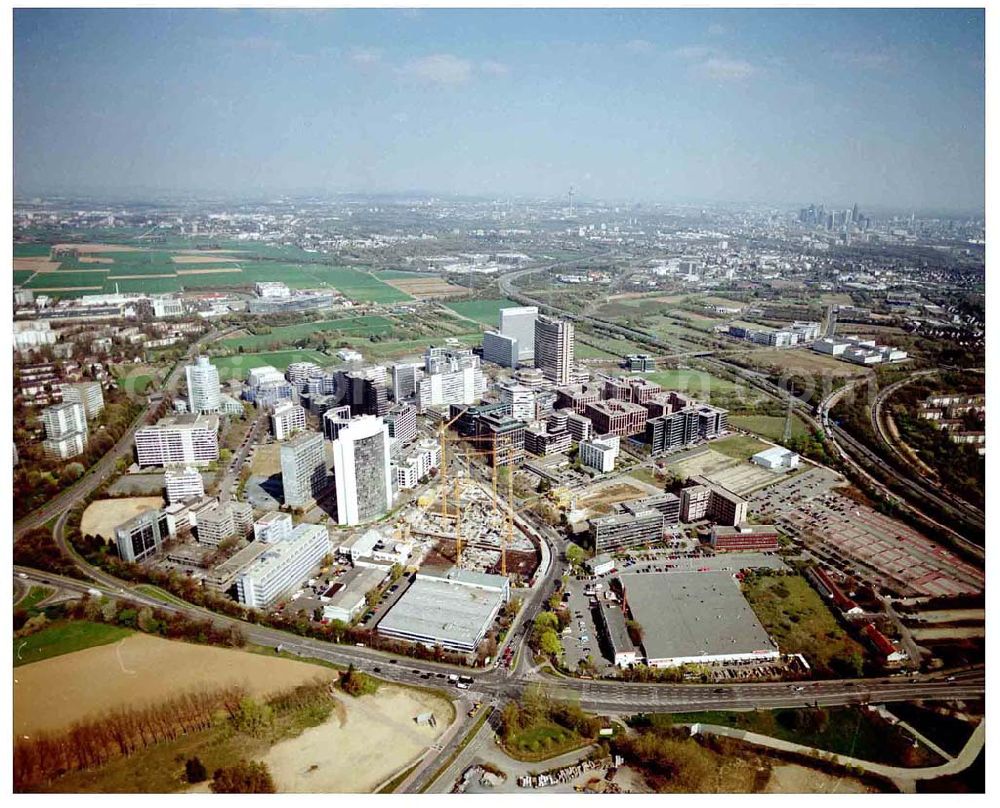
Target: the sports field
(237, 366)
(769, 426)
(483, 311)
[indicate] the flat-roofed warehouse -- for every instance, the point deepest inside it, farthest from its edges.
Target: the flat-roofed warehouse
(696, 618)
(454, 610)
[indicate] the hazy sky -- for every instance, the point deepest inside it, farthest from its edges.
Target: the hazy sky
(881, 107)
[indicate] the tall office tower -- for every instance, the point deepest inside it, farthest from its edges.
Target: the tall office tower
(303, 469)
(361, 470)
(404, 380)
(203, 386)
(365, 391)
(89, 394)
(554, 348)
(518, 322)
(335, 419)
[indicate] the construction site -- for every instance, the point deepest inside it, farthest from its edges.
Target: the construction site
(472, 529)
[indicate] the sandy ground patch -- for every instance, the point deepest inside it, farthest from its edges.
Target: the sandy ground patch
(90, 259)
(427, 287)
(140, 670)
(600, 501)
(36, 264)
(102, 517)
(379, 738)
(199, 259)
(99, 248)
(706, 463)
(790, 778)
(207, 271)
(266, 460)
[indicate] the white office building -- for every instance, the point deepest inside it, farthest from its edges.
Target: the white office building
(334, 420)
(167, 307)
(362, 471)
(500, 349)
(520, 399)
(600, 453)
(463, 386)
(179, 440)
(418, 464)
(303, 469)
(518, 322)
(29, 334)
(287, 419)
(272, 527)
(183, 483)
(203, 386)
(283, 567)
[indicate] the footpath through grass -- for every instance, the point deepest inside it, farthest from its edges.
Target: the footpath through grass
(64, 637)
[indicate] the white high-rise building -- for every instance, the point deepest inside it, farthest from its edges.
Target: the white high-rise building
(89, 394)
(183, 484)
(283, 566)
(287, 419)
(554, 349)
(65, 430)
(464, 386)
(520, 399)
(303, 469)
(518, 322)
(362, 472)
(179, 440)
(404, 380)
(203, 386)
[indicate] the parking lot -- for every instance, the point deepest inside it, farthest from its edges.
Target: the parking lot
(582, 639)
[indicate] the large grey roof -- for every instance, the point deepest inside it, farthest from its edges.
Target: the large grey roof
(443, 611)
(693, 614)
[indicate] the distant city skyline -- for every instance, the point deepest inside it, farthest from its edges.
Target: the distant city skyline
(885, 108)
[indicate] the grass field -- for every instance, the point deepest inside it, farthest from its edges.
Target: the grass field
(402, 274)
(31, 250)
(64, 638)
(542, 740)
(360, 326)
(799, 622)
(237, 366)
(740, 447)
(482, 311)
(68, 280)
(22, 276)
(843, 730)
(35, 596)
(695, 382)
(769, 426)
(357, 285)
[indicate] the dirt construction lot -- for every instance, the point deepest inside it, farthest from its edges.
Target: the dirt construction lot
(378, 738)
(102, 517)
(140, 670)
(602, 500)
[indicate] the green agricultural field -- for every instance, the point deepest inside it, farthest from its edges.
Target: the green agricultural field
(68, 280)
(356, 285)
(799, 621)
(295, 276)
(582, 350)
(64, 638)
(237, 366)
(769, 426)
(740, 447)
(355, 326)
(213, 280)
(31, 250)
(147, 285)
(483, 311)
(22, 276)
